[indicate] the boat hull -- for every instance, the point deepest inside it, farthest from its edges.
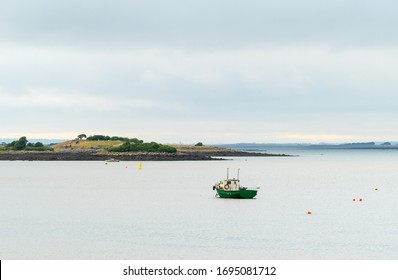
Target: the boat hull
(237, 194)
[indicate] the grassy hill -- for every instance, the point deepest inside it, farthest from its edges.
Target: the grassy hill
(80, 145)
(86, 145)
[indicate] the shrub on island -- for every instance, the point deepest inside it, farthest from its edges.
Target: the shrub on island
(133, 145)
(22, 144)
(110, 138)
(151, 147)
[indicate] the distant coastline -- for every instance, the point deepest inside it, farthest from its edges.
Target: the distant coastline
(255, 147)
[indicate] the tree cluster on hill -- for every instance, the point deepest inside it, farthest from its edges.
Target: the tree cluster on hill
(110, 138)
(22, 144)
(151, 147)
(133, 145)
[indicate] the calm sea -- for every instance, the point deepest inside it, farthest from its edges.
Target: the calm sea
(167, 210)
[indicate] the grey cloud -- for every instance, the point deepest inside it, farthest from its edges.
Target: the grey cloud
(271, 65)
(201, 23)
(247, 80)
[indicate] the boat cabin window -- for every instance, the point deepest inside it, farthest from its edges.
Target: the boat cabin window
(228, 182)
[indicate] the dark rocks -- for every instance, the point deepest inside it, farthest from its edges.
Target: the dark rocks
(102, 156)
(80, 156)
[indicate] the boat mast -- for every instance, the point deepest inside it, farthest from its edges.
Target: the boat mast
(227, 173)
(238, 173)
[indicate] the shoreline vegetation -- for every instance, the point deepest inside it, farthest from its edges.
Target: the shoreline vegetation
(102, 148)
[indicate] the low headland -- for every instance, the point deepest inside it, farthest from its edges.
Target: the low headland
(102, 148)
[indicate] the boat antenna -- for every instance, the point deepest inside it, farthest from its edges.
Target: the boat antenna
(227, 173)
(238, 173)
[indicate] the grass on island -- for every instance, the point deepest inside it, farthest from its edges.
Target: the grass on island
(86, 144)
(105, 144)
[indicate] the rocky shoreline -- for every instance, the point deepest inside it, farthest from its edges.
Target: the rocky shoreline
(102, 156)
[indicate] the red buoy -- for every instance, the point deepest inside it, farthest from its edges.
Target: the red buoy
(360, 199)
(309, 212)
(353, 199)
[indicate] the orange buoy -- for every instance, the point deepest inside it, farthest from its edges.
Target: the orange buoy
(353, 199)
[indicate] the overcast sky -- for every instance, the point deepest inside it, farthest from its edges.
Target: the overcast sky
(219, 71)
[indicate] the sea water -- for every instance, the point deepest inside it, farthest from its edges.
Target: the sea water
(168, 210)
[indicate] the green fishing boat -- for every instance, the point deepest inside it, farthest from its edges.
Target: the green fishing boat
(231, 188)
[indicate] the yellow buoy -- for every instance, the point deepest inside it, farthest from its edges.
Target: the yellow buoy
(140, 166)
